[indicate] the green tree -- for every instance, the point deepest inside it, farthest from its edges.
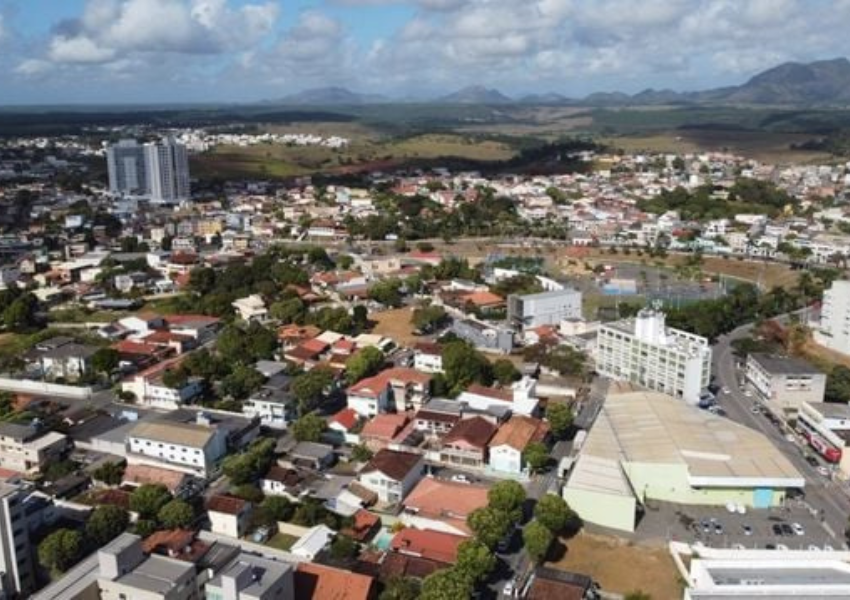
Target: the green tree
(308, 388)
(106, 523)
(536, 456)
(446, 584)
(401, 588)
(387, 292)
(344, 548)
(637, 595)
(464, 365)
(838, 385)
(429, 318)
(60, 549)
(554, 513)
(505, 372)
(360, 453)
(537, 539)
(309, 428)
(21, 314)
(490, 525)
(507, 496)
(176, 514)
(250, 464)
(475, 560)
(110, 473)
(147, 499)
(242, 382)
(290, 310)
(279, 508)
(560, 417)
(360, 317)
(363, 363)
(105, 360)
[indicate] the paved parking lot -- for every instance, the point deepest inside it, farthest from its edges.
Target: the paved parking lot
(663, 521)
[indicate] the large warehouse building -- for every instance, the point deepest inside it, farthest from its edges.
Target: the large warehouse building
(649, 446)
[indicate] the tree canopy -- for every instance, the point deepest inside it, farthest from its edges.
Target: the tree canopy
(363, 363)
(537, 539)
(61, 549)
(105, 523)
(560, 418)
(309, 428)
(147, 499)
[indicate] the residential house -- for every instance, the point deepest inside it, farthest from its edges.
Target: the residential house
(311, 455)
(316, 539)
(398, 387)
(426, 543)
(68, 361)
(288, 482)
(154, 388)
(251, 577)
(465, 446)
(229, 515)
(344, 423)
(438, 417)
(520, 398)
(510, 441)
(251, 308)
(319, 582)
(484, 336)
(428, 357)
(427, 506)
(380, 432)
(391, 474)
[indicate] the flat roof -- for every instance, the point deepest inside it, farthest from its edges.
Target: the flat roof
(653, 428)
(183, 434)
(156, 574)
(550, 294)
(656, 428)
(786, 575)
(831, 410)
(776, 364)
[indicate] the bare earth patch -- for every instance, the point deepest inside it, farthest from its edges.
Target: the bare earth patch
(395, 324)
(622, 568)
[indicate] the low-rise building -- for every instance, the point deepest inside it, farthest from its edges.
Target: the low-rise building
(251, 577)
(784, 383)
(229, 515)
(520, 398)
(391, 474)
(826, 427)
(546, 308)
(27, 450)
(251, 308)
(506, 447)
(189, 447)
(426, 507)
(484, 336)
(465, 445)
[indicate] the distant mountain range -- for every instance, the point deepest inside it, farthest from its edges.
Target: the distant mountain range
(820, 83)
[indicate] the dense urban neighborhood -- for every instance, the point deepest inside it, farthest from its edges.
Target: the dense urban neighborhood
(423, 382)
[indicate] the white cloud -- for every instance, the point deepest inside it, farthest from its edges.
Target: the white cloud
(33, 67)
(112, 29)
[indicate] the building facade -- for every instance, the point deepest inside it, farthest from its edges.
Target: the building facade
(833, 330)
(647, 352)
(545, 308)
(783, 383)
(125, 162)
(16, 552)
(167, 164)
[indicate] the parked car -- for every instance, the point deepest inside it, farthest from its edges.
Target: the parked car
(798, 529)
(747, 529)
(787, 529)
(718, 529)
(706, 526)
(823, 471)
(777, 529)
(812, 460)
(461, 478)
(508, 590)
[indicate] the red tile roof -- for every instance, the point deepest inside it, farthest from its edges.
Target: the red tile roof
(226, 504)
(435, 545)
(347, 417)
(319, 582)
(374, 386)
(496, 394)
(392, 463)
(476, 432)
(483, 299)
(429, 496)
(384, 427)
(519, 432)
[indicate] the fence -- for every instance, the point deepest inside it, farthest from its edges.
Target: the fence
(40, 388)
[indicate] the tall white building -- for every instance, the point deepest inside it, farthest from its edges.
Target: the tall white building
(647, 352)
(157, 170)
(833, 331)
(125, 162)
(17, 576)
(167, 164)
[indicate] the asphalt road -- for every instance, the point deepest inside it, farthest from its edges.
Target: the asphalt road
(830, 499)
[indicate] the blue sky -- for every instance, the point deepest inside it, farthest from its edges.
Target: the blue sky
(57, 51)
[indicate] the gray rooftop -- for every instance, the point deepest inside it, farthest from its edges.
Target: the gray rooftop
(311, 450)
(263, 575)
(157, 574)
(784, 365)
(787, 575)
(550, 294)
(832, 410)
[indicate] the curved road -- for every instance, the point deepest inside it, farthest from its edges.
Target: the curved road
(832, 498)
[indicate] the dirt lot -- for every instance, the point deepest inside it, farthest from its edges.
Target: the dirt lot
(395, 324)
(768, 273)
(622, 568)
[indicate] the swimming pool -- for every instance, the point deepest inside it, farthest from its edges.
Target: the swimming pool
(383, 539)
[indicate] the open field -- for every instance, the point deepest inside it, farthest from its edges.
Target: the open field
(622, 568)
(824, 358)
(395, 324)
(366, 150)
(768, 274)
(760, 145)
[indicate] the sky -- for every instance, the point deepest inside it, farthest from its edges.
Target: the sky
(148, 51)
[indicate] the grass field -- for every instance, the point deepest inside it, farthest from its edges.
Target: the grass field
(622, 568)
(395, 324)
(367, 148)
(282, 541)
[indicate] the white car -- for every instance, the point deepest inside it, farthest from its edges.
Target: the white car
(823, 471)
(781, 547)
(748, 394)
(460, 478)
(828, 548)
(508, 590)
(798, 529)
(813, 548)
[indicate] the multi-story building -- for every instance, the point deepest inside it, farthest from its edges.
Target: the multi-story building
(252, 578)
(784, 383)
(16, 553)
(484, 336)
(645, 351)
(167, 164)
(545, 308)
(392, 474)
(188, 447)
(125, 162)
(27, 450)
(833, 331)
(826, 427)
